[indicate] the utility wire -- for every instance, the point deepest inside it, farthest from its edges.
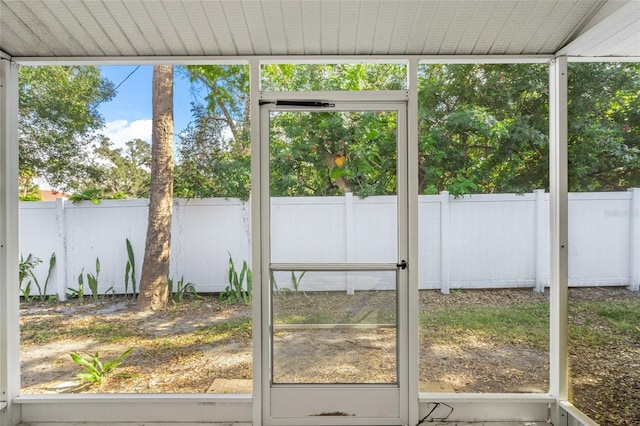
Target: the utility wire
(118, 85)
(125, 79)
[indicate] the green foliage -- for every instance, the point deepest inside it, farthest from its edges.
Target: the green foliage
(604, 126)
(295, 281)
(27, 272)
(58, 120)
(240, 285)
(92, 282)
(52, 264)
(94, 195)
(213, 153)
(320, 77)
(213, 156)
(332, 153)
(181, 290)
(130, 270)
(94, 370)
(117, 173)
(78, 292)
(28, 191)
(484, 127)
(603, 323)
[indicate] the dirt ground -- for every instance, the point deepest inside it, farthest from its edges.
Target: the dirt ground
(194, 344)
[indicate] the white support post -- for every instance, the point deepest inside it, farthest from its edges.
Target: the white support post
(542, 249)
(634, 241)
(559, 376)
(413, 331)
(9, 245)
(349, 238)
(260, 288)
(61, 251)
(445, 260)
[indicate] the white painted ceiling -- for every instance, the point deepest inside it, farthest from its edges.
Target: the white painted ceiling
(205, 28)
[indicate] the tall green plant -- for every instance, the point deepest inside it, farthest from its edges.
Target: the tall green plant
(240, 285)
(79, 292)
(92, 280)
(52, 264)
(130, 270)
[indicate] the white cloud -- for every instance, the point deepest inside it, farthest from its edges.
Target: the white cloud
(122, 131)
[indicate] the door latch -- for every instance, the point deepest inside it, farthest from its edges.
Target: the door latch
(402, 264)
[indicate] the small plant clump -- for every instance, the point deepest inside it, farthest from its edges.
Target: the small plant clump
(27, 272)
(94, 370)
(92, 282)
(240, 285)
(181, 290)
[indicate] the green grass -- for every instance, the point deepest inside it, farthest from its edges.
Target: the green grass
(602, 323)
(524, 324)
(593, 323)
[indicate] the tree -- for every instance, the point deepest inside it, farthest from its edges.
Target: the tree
(209, 164)
(155, 268)
(116, 173)
(58, 119)
(484, 128)
(331, 153)
(213, 153)
(604, 126)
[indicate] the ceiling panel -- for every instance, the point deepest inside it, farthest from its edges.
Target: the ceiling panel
(113, 28)
(349, 12)
(276, 31)
(330, 13)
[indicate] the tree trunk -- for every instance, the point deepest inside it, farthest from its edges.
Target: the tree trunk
(154, 292)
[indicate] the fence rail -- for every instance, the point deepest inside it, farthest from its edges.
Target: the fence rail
(476, 241)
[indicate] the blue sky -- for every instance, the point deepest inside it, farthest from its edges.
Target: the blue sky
(128, 115)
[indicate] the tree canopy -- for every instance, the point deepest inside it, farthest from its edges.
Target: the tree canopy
(483, 129)
(114, 173)
(213, 152)
(58, 120)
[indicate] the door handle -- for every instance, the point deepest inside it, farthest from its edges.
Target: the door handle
(402, 264)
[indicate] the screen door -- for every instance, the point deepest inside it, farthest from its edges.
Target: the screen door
(334, 262)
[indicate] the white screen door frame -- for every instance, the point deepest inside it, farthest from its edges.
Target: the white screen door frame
(290, 403)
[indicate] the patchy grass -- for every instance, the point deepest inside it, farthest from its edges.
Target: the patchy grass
(601, 323)
(525, 324)
(486, 341)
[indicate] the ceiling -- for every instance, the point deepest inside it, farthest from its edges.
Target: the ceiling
(230, 28)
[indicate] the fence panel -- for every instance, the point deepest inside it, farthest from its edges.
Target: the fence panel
(477, 241)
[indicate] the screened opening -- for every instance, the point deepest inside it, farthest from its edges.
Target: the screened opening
(82, 258)
(483, 228)
(483, 259)
(604, 194)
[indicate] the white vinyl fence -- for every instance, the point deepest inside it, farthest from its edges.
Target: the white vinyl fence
(476, 241)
